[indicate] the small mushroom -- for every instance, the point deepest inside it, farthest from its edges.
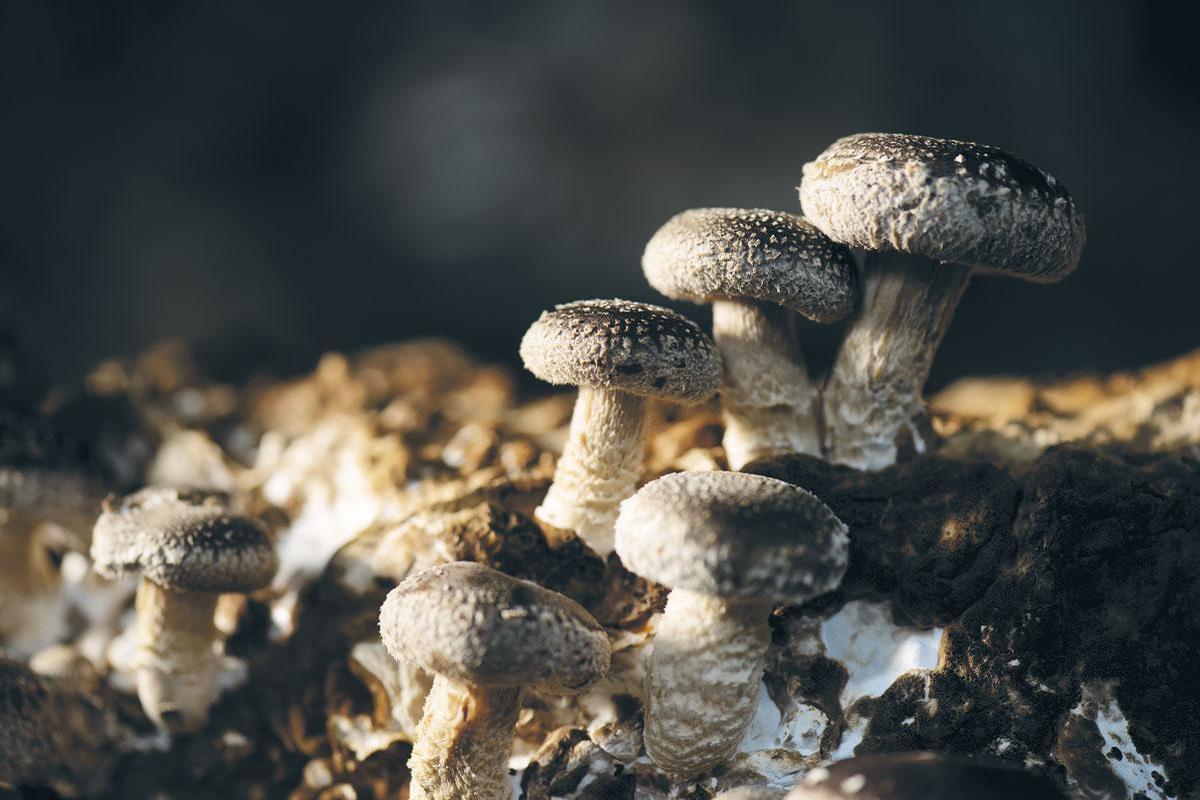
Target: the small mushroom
(928, 212)
(486, 637)
(729, 545)
(758, 269)
(44, 512)
(921, 776)
(189, 549)
(619, 354)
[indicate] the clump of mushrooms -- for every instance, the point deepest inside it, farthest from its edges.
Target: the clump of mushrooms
(189, 548)
(928, 213)
(619, 354)
(758, 269)
(486, 637)
(730, 546)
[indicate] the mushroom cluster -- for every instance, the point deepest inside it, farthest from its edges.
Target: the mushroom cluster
(894, 228)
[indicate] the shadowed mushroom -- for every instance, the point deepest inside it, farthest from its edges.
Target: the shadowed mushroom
(928, 212)
(756, 268)
(729, 545)
(486, 637)
(921, 776)
(619, 354)
(189, 549)
(43, 512)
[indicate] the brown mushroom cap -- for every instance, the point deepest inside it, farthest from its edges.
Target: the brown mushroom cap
(481, 627)
(708, 254)
(947, 200)
(186, 540)
(921, 776)
(733, 535)
(630, 347)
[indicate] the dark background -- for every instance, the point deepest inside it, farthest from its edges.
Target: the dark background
(286, 177)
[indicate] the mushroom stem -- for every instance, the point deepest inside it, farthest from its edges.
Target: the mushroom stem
(599, 467)
(767, 398)
(176, 665)
(702, 680)
(873, 396)
(463, 742)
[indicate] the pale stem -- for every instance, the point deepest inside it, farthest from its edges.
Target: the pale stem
(702, 680)
(176, 663)
(873, 401)
(600, 466)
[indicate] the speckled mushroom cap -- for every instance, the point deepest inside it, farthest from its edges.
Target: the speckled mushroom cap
(61, 495)
(631, 347)
(481, 627)
(920, 776)
(732, 535)
(711, 254)
(950, 201)
(185, 540)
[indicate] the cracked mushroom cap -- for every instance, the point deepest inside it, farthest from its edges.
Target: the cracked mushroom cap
(709, 254)
(186, 540)
(733, 535)
(947, 200)
(481, 627)
(920, 776)
(25, 734)
(630, 347)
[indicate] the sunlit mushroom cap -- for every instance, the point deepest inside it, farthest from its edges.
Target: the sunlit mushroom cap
(708, 254)
(186, 540)
(478, 626)
(635, 348)
(920, 776)
(947, 200)
(733, 535)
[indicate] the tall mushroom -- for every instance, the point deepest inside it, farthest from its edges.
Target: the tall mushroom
(729, 545)
(928, 212)
(189, 549)
(921, 776)
(619, 354)
(486, 637)
(758, 269)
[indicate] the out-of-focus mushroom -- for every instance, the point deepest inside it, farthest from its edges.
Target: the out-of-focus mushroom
(486, 637)
(729, 545)
(752, 793)
(921, 776)
(758, 269)
(189, 549)
(928, 212)
(44, 512)
(619, 354)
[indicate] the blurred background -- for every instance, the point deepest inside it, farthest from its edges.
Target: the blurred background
(278, 178)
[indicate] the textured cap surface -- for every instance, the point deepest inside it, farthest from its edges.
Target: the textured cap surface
(947, 200)
(733, 535)
(185, 540)
(630, 347)
(711, 254)
(920, 776)
(478, 626)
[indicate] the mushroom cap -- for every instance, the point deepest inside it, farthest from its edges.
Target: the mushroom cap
(186, 540)
(629, 347)
(947, 200)
(733, 535)
(480, 627)
(920, 776)
(708, 254)
(64, 496)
